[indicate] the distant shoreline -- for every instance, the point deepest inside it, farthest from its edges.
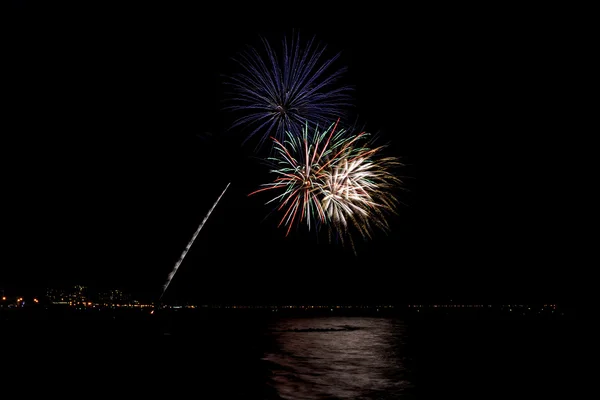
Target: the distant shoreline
(63, 312)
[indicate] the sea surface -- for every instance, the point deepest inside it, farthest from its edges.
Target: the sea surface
(252, 355)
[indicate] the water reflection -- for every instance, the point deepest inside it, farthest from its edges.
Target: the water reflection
(339, 358)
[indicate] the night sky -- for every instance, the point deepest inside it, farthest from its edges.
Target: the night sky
(120, 146)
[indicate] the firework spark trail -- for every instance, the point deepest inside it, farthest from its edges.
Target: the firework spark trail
(190, 244)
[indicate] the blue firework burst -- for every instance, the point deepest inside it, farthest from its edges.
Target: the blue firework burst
(276, 93)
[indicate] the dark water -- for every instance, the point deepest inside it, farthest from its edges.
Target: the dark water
(261, 356)
(339, 358)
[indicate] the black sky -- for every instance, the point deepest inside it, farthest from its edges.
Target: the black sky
(119, 148)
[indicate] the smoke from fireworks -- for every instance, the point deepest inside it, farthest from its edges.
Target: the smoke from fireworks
(187, 248)
(329, 178)
(279, 93)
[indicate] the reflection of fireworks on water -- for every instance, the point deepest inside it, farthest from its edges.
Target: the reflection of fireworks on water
(329, 178)
(279, 93)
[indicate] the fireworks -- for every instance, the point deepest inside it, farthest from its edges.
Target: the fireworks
(187, 248)
(280, 93)
(358, 189)
(329, 178)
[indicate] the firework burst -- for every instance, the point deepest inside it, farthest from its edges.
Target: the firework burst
(278, 93)
(329, 178)
(357, 191)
